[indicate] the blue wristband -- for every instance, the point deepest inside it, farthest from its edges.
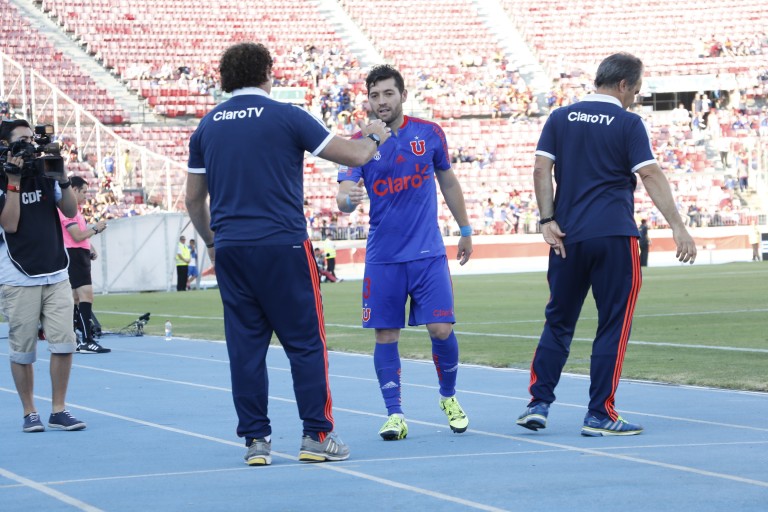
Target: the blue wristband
(465, 230)
(349, 203)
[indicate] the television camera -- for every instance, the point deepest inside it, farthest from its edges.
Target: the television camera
(135, 328)
(41, 157)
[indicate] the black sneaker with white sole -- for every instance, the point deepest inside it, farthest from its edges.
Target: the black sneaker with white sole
(91, 347)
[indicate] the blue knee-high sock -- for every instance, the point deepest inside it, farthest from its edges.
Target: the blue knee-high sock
(386, 360)
(445, 354)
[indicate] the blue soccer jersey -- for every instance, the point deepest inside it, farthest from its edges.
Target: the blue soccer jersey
(259, 144)
(597, 147)
(400, 181)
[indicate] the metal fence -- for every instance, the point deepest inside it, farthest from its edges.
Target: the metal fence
(31, 96)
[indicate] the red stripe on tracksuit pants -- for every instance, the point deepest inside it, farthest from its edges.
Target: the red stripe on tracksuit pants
(610, 266)
(266, 290)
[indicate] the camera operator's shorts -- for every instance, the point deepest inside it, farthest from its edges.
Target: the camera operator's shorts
(79, 267)
(26, 307)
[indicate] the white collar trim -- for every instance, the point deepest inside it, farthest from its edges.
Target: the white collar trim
(250, 90)
(605, 98)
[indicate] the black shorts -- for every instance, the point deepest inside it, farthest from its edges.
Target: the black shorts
(79, 267)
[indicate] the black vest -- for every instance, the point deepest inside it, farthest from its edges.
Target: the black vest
(37, 247)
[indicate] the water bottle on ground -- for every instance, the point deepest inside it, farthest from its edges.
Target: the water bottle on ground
(168, 331)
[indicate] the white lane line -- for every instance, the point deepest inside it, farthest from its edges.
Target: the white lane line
(490, 434)
(53, 493)
(336, 467)
(378, 460)
(427, 386)
(536, 337)
(412, 385)
(511, 322)
(540, 321)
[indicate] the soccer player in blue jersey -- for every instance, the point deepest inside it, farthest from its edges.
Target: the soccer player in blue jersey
(405, 254)
(597, 149)
(247, 154)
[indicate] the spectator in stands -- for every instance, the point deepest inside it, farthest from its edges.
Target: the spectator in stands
(261, 245)
(724, 147)
(34, 284)
(590, 217)
(356, 228)
(488, 217)
(681, 116)
(77, 240)
(743, 165)
(108, 164)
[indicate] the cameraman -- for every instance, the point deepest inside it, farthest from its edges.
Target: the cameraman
(34, 282)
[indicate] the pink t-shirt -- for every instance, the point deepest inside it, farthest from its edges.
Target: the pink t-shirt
(69, 242)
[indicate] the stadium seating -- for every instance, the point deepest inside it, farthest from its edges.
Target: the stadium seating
(149, 43)
(21, 42)
(570, 35)
(458, 68)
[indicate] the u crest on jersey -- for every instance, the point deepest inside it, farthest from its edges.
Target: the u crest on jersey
(366, 314)
(417, 147)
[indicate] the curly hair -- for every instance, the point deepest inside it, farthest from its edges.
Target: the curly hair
(382, 72)
(245, 65)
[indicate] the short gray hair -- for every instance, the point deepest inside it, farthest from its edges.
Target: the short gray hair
(618, 67)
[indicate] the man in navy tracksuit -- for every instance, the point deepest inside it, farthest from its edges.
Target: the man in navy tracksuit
(248, 154)
(596, 148)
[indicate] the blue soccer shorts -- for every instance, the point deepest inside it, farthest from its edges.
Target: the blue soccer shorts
(387, 286)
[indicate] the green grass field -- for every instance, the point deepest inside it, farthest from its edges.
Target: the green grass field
(701, 325)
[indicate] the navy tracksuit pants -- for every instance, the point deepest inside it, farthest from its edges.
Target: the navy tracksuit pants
(266, 290)
(611, 267)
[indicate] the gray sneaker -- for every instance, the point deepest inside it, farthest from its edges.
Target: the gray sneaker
(331, 449)
(259, 453)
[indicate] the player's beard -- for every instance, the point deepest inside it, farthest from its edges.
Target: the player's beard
(392, 115)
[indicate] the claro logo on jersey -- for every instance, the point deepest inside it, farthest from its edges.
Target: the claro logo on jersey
(394, 185)
(226, 115)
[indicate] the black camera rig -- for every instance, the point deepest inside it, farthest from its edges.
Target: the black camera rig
(41, 157)
(135, 328)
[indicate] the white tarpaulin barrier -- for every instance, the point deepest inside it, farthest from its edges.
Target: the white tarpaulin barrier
(138, 253)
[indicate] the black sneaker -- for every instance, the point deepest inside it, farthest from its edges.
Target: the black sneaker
(91, 347)
(65, 421)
